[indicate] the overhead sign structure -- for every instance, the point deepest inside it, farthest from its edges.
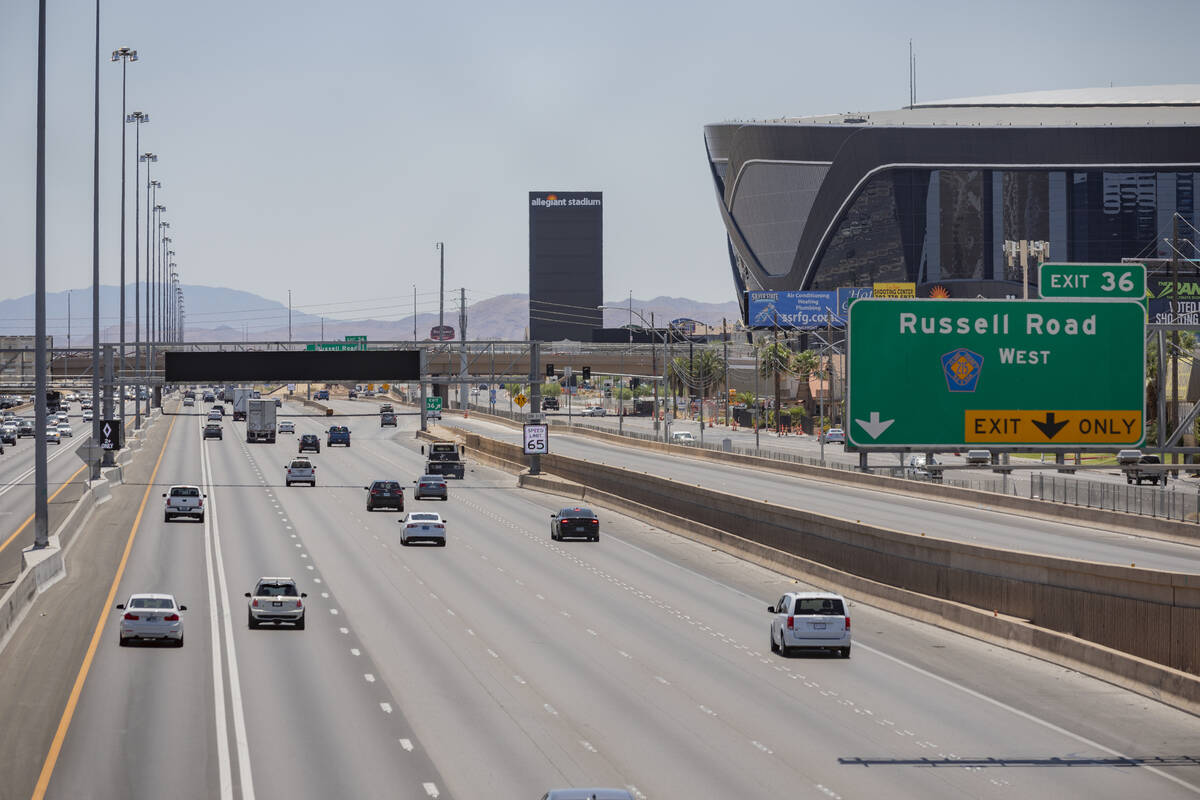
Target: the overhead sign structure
(536, 439)
(1095, 281)
(433, 403)
(1045, 373)
(270, 366)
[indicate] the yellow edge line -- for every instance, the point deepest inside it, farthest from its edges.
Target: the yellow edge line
(64, 723)
(25, 524)
(50, 499)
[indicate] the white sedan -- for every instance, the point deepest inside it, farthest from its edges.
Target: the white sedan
(423, 526)
(151, 617)
(215, 415)
(64, 429)
(87, 414)
(52, 435)
(287, 426)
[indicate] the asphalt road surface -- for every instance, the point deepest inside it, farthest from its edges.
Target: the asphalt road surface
(505, 663)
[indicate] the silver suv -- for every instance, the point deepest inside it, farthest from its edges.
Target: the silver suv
(300, 470)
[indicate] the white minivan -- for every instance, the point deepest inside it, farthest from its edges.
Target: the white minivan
(810, 621)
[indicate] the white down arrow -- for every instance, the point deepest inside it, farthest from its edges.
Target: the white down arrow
(874, 426)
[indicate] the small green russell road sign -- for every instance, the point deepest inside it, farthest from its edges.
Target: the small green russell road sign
(1044, 373)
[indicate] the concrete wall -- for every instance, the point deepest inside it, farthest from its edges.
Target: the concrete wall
(1148, 613)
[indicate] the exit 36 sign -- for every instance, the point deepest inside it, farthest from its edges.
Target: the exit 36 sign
(1094, 281)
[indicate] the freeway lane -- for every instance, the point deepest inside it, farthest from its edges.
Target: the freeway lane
(900, 512)
(293, 714)
(509, 663)
(546, 664)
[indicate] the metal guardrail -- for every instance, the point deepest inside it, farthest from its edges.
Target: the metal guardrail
(1152, 501)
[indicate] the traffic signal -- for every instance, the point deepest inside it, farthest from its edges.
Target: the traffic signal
(549, 370)
(587, 373)
(635, 383)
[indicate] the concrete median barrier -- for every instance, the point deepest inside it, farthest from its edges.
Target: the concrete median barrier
(1127, 622)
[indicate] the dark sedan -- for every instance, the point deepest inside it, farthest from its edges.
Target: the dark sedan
(575, 523)
(213, 431)
(385, 494)
(387, 418)
(310, 441)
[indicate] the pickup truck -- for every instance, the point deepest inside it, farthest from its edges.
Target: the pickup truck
(338, 434)
(1130, 461)
(444, 458)
(183, 501)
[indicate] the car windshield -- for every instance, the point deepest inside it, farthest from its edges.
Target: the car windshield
(424, 517)
(276, 590)
(571, 513)
(432, 479)
(185, 491)
(151, 602)
(828, 606)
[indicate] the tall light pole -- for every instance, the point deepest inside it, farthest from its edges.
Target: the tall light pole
(95, 471)
(149, 158)
(136, 119)
(160, 302)
(441, 246)
(41, 512)
(124, 55)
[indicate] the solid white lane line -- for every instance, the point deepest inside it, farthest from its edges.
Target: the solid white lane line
(225, 779)
(431, 789)
(407, 745)
(235, 686)
(368, 677)
(354, 651)
(387, 707)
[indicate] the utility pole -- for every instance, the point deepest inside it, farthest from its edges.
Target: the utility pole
(775, 370)
(725, 346)
(415, 313)
(94, 473)
(1175, 320)
(535, 400)
(290, 315)
(462, 368)
(68, 319)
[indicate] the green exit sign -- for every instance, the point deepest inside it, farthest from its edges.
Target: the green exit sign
(962, 373)
(1093, 281)
(433, 404)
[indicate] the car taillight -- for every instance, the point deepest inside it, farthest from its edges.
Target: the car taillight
(791, 623)
(200, 503)
(596, 522)
(439, 525)
(254, 602)
(133, 617)
(847, 623)
(376, 491)
(299, 604)
(171, 618)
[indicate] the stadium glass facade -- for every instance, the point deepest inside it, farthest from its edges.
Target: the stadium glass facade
(968, 196)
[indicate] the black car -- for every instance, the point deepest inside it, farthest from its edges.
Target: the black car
(575, 522)
(385, 494)
(208, 397)
(387, 418)
(213, 431)
(8, 433)
(353, 395)
(278, 403)
(549, 404)
(310, 441)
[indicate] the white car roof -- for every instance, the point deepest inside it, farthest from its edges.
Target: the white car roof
(276, 580)
(153, 595)
(810, 595)
(185, 486)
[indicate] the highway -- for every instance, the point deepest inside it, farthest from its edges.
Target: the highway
(17, 485)
(505, 664)
(897, 511)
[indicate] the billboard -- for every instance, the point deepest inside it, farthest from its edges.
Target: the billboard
(566, 265)
(793, 310)
(1158, 297)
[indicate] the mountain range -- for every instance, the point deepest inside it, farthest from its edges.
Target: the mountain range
(219, 314)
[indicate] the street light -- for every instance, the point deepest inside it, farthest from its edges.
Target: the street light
(620, 418)
(149, 158)
(160, 300)
(137, 118)
(124, 55)
(95, 460)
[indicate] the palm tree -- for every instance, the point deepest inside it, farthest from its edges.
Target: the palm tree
(776, 358)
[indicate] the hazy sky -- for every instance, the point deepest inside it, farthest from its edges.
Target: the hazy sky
(325, 147)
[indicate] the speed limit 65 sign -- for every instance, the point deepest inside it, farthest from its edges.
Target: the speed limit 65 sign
(536, 439)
